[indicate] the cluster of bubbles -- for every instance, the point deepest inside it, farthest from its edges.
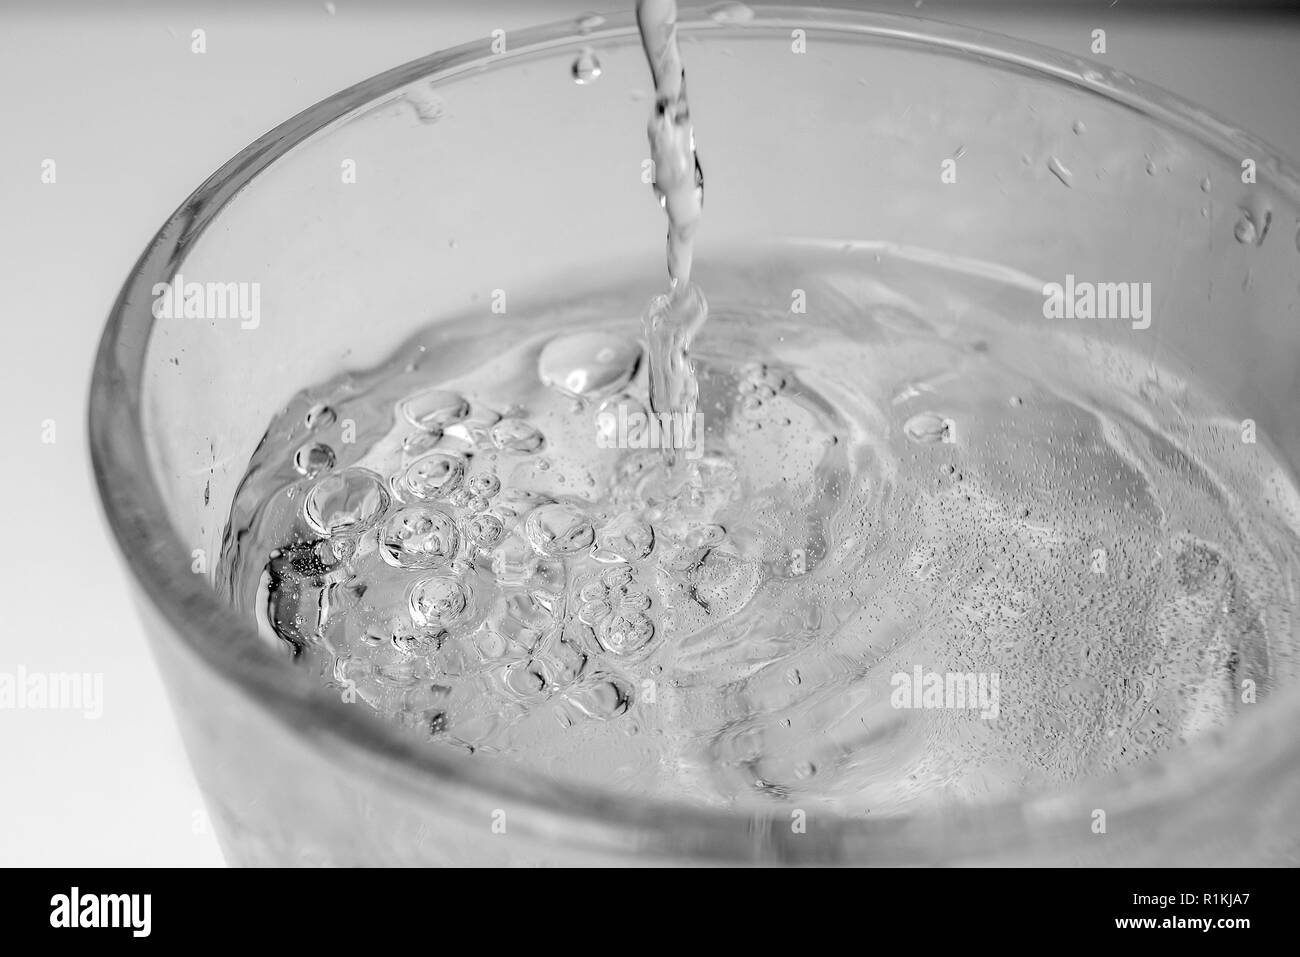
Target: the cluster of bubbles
(454, 600)
(486, 565)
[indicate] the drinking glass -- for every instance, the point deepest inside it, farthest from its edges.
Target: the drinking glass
(415, 195)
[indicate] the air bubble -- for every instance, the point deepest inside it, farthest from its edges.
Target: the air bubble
(526, 679)
(313, 458)
(438, 602)
(434, 409)
(625, 633)
(464, 499)
(484, 529)
(927, 427)
(434, 475)
(411, 644)
(588, 365)
(603, 699)
(419, 443)
(485, 485)
(348, 501)
(320, 416)
(418, 537)
(626, 539)
(558, 529)
(517, 435)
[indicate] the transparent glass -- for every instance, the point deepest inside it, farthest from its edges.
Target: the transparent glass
(478, 171)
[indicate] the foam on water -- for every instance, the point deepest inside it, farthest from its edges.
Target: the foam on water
(920, 472)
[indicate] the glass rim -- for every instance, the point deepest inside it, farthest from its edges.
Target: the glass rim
(230, 648)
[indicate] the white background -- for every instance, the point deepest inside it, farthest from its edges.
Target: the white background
(135, 122)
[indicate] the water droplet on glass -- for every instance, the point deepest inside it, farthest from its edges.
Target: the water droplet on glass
(428, 106)
(1060, 171)
(586, 68)
(348, 501)
(1252, 228)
